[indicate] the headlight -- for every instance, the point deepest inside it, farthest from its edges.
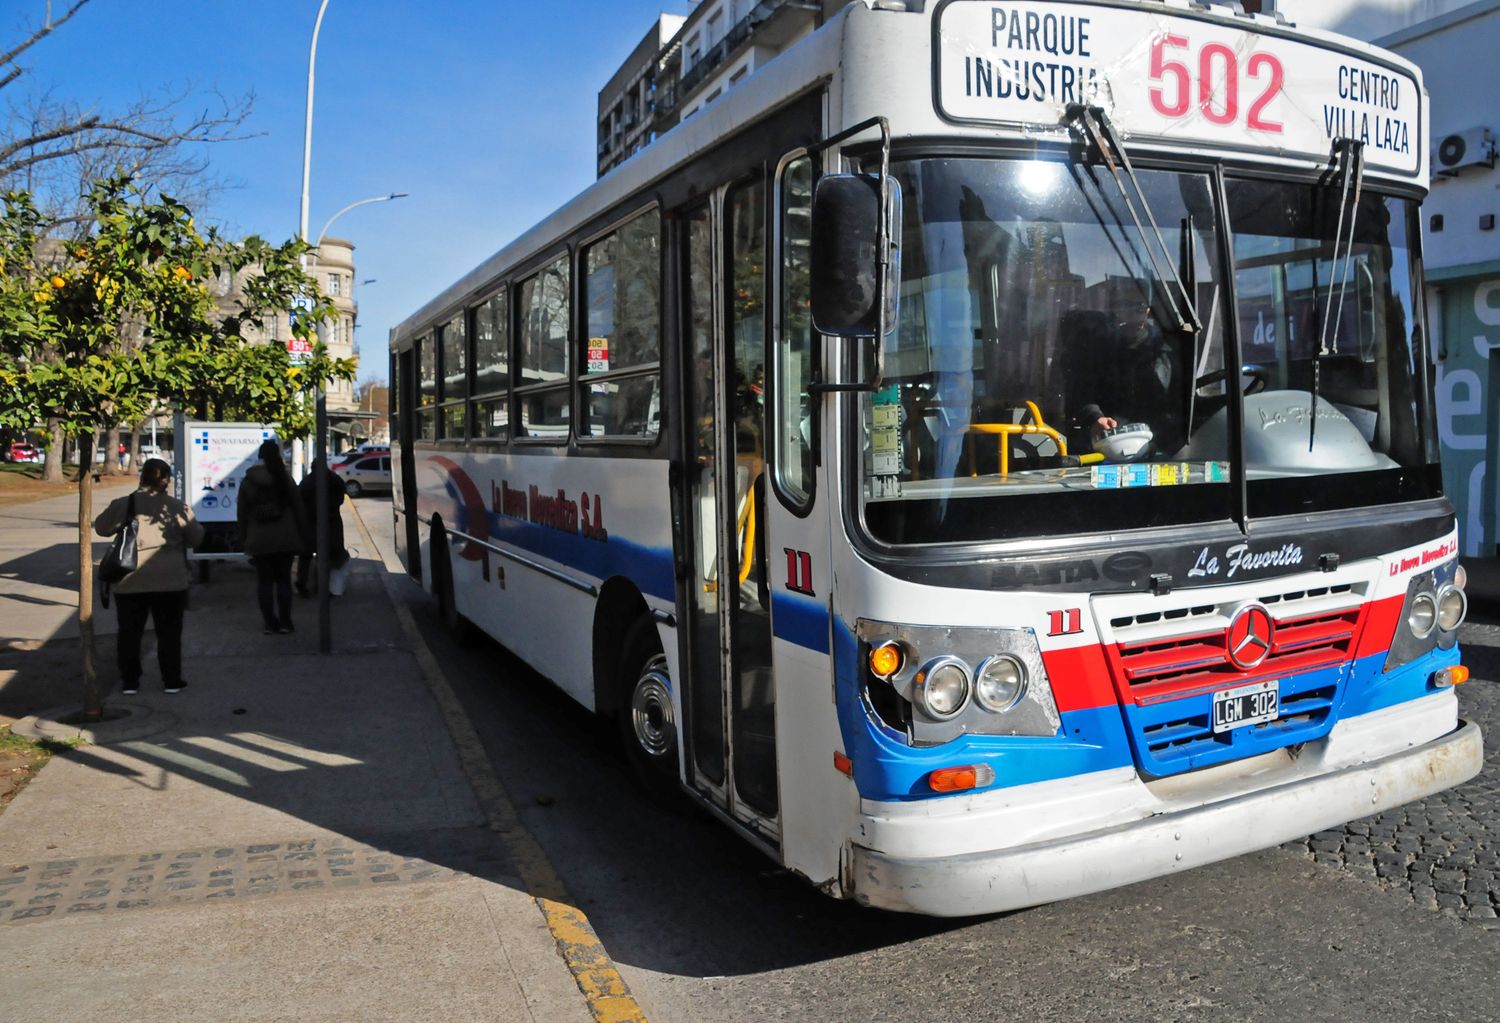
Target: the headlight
(942, 688)
(1000, 683)
(1452, 606)
(1422, 618)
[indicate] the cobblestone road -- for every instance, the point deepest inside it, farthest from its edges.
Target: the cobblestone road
(1443, 852)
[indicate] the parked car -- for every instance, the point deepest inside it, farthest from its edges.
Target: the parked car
(20, 451)
(365, 475)
(347, 458)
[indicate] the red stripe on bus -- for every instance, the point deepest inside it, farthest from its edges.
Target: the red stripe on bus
(1381, 618)
(1080, 678)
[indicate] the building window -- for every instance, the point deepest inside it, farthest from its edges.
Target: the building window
(335, 285)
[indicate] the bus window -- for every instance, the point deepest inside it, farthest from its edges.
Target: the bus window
(455, 370)
(393, 397)
(1037, 382)
(753, 734)
(1318, 313)
(793, 356)
(427, 388)
(490, 418)
(543, 312)
(622, 296)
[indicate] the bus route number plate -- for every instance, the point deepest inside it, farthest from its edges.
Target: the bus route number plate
(1241, 706)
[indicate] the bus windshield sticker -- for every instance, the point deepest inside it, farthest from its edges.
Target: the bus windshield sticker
(1190, 80)
(1157, 474)
(885, 433)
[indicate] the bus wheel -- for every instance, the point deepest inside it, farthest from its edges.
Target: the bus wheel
(648, 726)
(458, 626)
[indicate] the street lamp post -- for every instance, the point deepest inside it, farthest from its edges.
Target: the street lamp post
(320, 479)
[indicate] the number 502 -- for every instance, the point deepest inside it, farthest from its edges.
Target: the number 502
(1218, 83)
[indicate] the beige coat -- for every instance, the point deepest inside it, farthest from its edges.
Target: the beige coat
(165, 530)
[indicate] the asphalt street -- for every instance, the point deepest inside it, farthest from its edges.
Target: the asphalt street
(705, 928)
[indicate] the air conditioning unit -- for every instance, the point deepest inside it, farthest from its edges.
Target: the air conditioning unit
(1472, 148)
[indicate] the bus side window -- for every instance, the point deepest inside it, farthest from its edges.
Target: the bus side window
(489, 415)
(427, 394)
(544, 313)
(622, 301)
(454, 352)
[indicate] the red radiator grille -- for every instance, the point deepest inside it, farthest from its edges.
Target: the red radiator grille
(1166, 668)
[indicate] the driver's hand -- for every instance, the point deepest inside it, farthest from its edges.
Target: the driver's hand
(1106, 423)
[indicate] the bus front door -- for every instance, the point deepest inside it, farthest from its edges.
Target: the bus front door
(730, 696)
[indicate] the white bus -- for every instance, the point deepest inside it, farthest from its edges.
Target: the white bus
(1122, 550)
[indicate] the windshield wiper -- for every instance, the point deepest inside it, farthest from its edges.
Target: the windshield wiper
(1096, 126)
(1350, 154)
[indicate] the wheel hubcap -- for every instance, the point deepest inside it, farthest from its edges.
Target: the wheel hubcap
(651, 708)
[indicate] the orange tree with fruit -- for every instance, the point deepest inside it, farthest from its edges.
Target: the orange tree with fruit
(119, 320)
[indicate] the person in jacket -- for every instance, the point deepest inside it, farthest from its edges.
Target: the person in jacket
(337, 555)
(157, 589)
(273, 531)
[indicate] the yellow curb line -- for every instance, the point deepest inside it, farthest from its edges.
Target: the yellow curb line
(607, 994)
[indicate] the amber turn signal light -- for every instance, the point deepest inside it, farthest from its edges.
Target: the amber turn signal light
(886, 660)
(961, 779)
(1448, 677)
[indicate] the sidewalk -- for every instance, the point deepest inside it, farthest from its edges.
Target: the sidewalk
(292, 837)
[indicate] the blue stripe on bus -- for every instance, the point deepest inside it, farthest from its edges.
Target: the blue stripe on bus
(1089, 740)
(800, 620)
(1371, 688)
(650, 568)
(888, 770)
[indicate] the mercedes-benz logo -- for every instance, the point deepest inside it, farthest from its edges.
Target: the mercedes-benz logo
(1247, 641)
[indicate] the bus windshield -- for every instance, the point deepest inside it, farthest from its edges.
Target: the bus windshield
(1336, 317)
(1036, 360)
(1037, 382)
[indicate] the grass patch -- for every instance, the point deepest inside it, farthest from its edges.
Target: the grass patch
(22, 758)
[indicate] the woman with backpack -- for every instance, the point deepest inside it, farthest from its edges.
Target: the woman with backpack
(157, 588)
(273, 530)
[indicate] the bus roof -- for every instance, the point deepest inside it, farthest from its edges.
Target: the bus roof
(880, 35)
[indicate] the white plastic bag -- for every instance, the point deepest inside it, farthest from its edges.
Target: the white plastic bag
(338, 580)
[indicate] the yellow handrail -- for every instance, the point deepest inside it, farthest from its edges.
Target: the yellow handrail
(746, 532)
(1005, 431)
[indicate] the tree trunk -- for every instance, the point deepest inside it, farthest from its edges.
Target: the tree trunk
(57, 450)
(112, 466)
(93, 707)
(135, 446)
(88, 444)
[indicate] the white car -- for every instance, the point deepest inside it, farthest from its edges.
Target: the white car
(366, 475)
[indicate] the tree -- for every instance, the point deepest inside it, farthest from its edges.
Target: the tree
(54, 148)
(140, 270)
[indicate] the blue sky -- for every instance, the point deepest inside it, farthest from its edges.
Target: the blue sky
(483, 111)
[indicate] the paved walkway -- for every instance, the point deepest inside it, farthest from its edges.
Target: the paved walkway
(294, 836)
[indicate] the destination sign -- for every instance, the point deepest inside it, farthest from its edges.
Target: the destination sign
(1179, 79)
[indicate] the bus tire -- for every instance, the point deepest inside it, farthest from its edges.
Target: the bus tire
(648, 726)
(459, 627)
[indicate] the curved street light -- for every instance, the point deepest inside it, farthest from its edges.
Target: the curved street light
(355, 205)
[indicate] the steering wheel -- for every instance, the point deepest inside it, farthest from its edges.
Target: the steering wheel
(1257, 383)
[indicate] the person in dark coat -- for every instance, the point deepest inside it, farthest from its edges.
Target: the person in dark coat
(273, 531)
(157, 589)
(308, 488)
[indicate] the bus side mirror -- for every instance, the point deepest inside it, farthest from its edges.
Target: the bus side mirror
(845, 256)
